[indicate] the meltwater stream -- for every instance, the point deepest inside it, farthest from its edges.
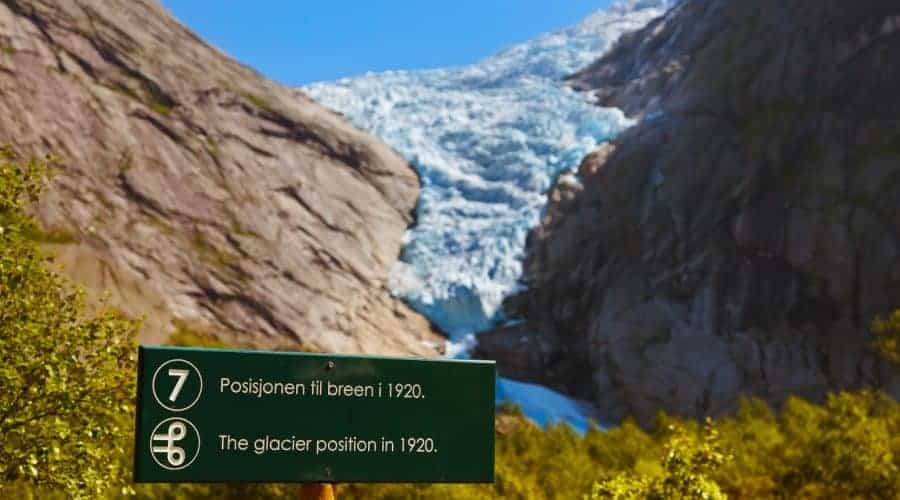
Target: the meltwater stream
(488, 141)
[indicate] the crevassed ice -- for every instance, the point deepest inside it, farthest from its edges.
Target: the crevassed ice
(487, 140)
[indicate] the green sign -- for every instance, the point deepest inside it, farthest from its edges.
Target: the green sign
(230, 415)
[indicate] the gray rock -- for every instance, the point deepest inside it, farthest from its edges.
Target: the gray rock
(740, 239)
(198, 192)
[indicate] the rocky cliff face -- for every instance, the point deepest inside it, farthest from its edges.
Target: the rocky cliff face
(198, 192)
(644, 66)
(739, 240)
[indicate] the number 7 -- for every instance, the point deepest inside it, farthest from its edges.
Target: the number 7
(182, 376)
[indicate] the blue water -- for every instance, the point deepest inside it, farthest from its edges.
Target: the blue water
(543, 405)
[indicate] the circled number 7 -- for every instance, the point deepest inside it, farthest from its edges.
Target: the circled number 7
(179, 384)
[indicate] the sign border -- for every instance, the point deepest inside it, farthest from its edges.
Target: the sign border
(139, 404)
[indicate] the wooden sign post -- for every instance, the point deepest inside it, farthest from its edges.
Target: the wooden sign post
(317, 491)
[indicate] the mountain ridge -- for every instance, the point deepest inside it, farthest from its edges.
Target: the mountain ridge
(741, 237)
(488, 140)
(200, 194)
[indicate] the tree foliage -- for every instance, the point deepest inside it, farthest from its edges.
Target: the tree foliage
(887, 337)
(848, 447)
(66, 376)
(686, 470)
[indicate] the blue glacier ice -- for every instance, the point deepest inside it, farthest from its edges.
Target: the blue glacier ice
(488, 140)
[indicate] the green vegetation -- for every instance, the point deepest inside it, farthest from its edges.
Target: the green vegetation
(215, 491)
(156, 100)
(259, 102)
(49, 236)
(686, 470)
(209, 252)
(125, 90)
(66, 414)
(66, 377)
(160, 108)
(887, 337)
(185, 336)
(211, 147)
(848, 447)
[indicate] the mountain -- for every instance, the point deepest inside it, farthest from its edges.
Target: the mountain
(200, 194)
(739, 239)
(488, 141)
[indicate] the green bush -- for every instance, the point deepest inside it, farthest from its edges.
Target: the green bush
(66, 377)
(686, 471)
(848, 447)
(887, 337)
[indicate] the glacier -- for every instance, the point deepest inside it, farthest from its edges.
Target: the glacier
(488, 140)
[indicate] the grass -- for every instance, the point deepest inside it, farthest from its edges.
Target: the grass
(53, 236)
(209, 252)
(211, 147)
(185, 336)
(160, 108)
(259, 102)
(153, 101)
(125, 90)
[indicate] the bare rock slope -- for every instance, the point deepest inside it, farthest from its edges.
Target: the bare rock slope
(198, 192)
(741, 238)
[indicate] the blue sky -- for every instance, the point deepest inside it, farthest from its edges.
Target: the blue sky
(302, 41)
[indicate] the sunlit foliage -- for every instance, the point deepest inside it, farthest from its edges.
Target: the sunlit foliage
(66, 376)
(848, 447)
(887, 337)
(686, 471)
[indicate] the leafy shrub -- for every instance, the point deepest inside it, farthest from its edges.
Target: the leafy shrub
(847, 447)
(887, 337)
(66, 377)
(686, 471)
